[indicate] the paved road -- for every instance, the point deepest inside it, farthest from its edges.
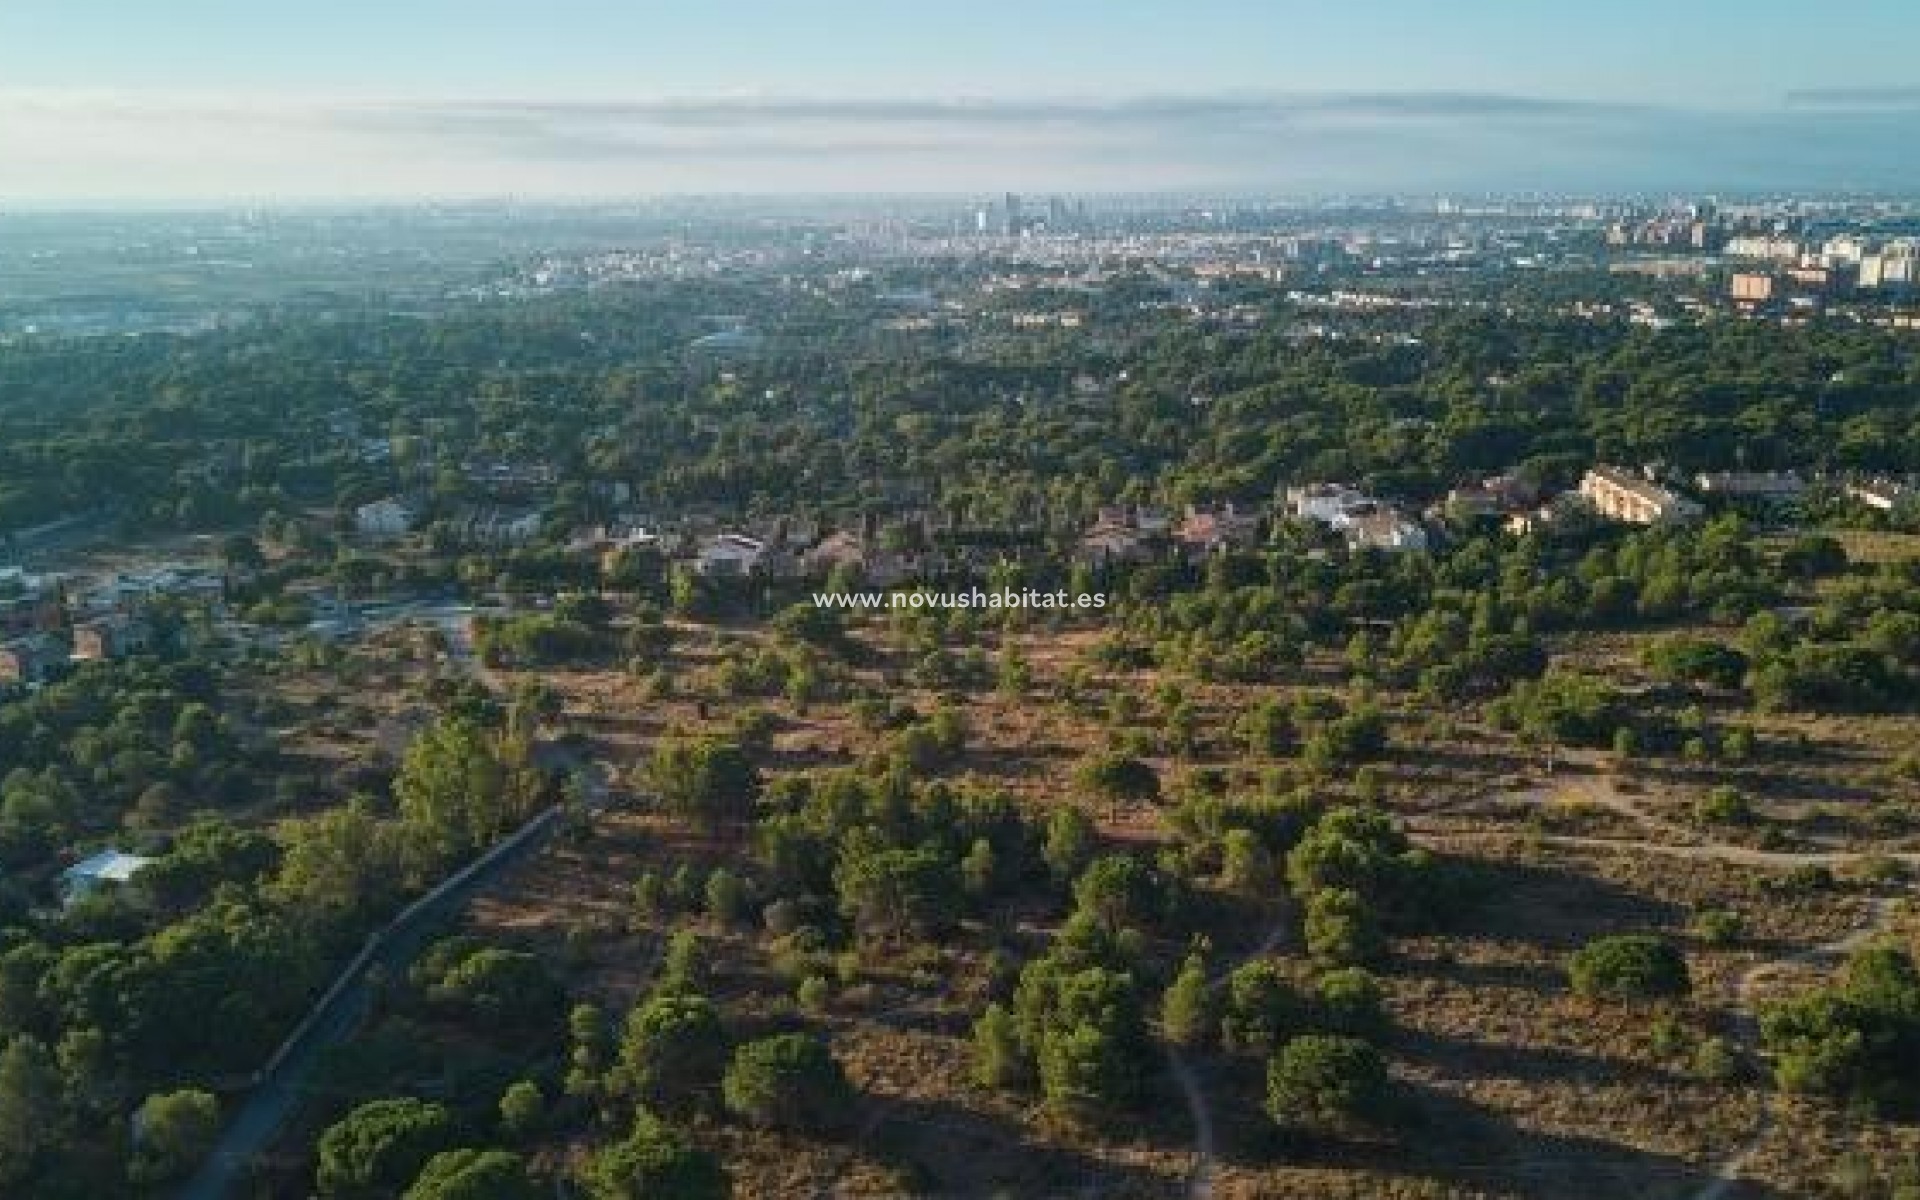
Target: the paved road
(282, 1086)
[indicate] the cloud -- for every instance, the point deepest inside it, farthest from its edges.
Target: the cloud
(108, 145)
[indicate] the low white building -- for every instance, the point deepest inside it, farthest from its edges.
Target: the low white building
(1327, 503)
(1385, 529)
(107, 868)
(729, 555)
(1881, 494)
(1750, 485)
(385, 518)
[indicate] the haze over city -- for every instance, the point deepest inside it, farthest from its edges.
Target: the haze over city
(216, 99)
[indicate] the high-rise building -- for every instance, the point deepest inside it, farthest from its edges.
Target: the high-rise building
(1013, 222)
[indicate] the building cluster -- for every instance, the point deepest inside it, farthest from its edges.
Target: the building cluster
(487, 526)
(1122, 534)
(44, 630)
(1780, 268)
(1364, 522)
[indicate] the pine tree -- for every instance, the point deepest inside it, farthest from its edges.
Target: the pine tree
(1186, 1010)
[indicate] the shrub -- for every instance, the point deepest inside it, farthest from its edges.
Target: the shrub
(1262, 1007)
(379, 1148)
(474, 1175)
(672, 1051)
(654, 1161)
(1628, 967)
(1327, 1083)
(788, 1081)
(1350, 1000)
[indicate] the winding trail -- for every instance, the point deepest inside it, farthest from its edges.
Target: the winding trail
(1881, 912)
(1205, 1142)
(1727, 1173)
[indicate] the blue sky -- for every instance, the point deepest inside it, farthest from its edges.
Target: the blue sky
(136, 98)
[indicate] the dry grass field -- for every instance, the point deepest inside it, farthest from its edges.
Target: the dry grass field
(1513, 1086)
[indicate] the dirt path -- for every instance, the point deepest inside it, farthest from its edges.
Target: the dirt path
(1200, 1176)
(1726, 1173)
(1601, 792)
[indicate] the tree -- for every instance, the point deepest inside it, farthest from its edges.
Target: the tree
(498, 987)
(979, 869)
(1187, 1009)
(1351, 1001)
(726, 896)
(1326, 1083)
(1117, 778)
(1091, 1042)
(588, 1052)
(474, 1175)
(380, 1147)
(1355, 848)
(1118, 890)
(1628, 967)
(655, 1163)
(1262, 1007)
(1342, 929)
(29, 1106)
(1857, 1039)
(176, 1129)
(998, 1061)
(673, 1050)
(891, 892)
(459, 787)
(788, 1081)
(1069, 842)
(523, 1109)
(1246, 868)
(704, 780)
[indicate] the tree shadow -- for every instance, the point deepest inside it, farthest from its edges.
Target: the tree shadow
(944, 1149)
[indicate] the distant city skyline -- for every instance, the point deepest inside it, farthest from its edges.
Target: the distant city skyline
(219, 99)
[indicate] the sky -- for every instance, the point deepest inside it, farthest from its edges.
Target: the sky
(105, 100)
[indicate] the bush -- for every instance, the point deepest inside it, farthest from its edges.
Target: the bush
(788, 1081)
(1342, 929)
(1262, 1008)
(1718, 927)
(652, 1163)
(1351, 1001)
(997, 1058)
(1327, 1083)
(379, 1148)
(1723, 806)
(1186, 1010)
(176, 1131)
(1628, 967)
(522, 1109)
(673, 1050)
(474, 1175)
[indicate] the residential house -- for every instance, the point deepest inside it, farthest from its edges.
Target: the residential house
(114, 636)
(1496, 496)
(31, 659)
(1212, 530)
